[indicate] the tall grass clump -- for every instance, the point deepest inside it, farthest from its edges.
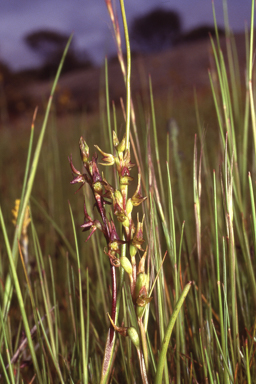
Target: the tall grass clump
(163, 291)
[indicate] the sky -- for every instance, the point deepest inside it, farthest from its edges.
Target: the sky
(89, 21)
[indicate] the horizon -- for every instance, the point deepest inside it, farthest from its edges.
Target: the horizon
(91, 25)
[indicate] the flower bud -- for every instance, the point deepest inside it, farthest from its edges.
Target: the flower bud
(133, 334)
(115, 139)
(125, 180)
(84, 150)
(121, 145)
(126, 264)
(114, 246)
(97, 187)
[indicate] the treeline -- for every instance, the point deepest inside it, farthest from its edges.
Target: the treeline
(162, 29)
(155, 31)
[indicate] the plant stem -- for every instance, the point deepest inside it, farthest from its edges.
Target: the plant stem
(128, 77)
(113, 311)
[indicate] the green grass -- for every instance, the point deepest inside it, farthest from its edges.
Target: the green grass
(199, 179)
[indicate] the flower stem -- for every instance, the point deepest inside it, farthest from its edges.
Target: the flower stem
(128, 76)
(113, 311)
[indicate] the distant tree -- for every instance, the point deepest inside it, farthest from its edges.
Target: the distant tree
(49, 45)
(5, 71)
(156, 30)
(46, 42)
(199, 33)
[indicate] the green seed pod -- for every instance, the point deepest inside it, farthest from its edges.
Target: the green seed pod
(118, 196)
(126, 222)
(139, 311)
(141, 293)
(126, 264)
(129, 206)
(133, 334)
(133, 250)
(142, 281)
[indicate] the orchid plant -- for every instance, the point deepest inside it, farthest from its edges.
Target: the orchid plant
(132, 235)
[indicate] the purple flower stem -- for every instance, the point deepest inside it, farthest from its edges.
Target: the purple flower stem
(113, 311)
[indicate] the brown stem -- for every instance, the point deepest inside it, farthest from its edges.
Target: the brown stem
(143, 369)
(143, 341)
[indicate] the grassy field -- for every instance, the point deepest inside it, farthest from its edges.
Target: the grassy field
(175, 272)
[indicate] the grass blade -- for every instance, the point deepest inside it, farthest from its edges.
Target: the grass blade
(166, 340)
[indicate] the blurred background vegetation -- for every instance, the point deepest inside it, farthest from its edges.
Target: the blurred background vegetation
(17, 89)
